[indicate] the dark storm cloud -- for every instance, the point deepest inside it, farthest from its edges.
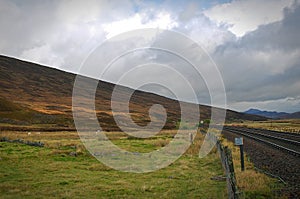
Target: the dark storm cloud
(264, 64)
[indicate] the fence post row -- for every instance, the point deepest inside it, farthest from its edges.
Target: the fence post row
(227, 163)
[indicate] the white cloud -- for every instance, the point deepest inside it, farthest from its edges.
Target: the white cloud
(242, 16)
(37, 55)
(83, 11)
(280, 105)
(206, 33)
(161, 20)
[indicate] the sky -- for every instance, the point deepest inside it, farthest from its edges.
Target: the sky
(255, 44)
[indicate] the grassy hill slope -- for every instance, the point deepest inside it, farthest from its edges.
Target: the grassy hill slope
(35, 94)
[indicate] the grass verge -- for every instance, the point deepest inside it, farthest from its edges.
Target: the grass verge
(252, 183)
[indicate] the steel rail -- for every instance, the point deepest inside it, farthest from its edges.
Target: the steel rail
(291, 151)
(269, 136)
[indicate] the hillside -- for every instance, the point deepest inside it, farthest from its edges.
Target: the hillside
(295, 115)
(35, 94)
(273, 114)
(268, 114)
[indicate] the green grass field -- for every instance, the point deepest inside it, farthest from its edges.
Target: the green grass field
(50, 171)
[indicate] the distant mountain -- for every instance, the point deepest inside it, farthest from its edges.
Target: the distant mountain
(295, 115)
(36, 94)
(273, 114)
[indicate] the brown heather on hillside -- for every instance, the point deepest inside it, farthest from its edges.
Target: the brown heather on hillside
(35, 94)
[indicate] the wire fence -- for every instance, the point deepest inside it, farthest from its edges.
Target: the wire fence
(227, 163)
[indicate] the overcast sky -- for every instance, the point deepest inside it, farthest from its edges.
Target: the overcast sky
(254, 43)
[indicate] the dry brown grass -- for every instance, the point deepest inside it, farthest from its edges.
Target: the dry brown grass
(291, 125)
(250, 180)
(195, 147)
(160, 142)
(50, 139)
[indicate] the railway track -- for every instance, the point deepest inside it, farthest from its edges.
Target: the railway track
(288, 135)
(287, 142)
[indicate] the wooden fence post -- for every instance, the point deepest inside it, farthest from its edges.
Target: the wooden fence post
(227, 162)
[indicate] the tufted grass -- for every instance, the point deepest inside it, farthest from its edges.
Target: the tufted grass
(50, 172)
